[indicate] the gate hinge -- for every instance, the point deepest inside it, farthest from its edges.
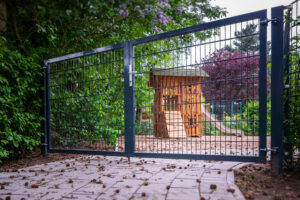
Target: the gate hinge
(275, 20)
(273, 149)
(44, 144)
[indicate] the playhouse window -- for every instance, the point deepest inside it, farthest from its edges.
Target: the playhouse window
(192, 121)
(190, 89)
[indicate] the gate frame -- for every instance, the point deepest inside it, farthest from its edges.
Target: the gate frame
(261, 15)
(46, 139)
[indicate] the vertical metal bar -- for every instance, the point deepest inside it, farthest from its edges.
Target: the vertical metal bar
(48, 121)
(287, 145)
(129, 99)
(262, 88)
(277, 89)
(44, 141)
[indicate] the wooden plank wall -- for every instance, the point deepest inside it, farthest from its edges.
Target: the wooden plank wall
(187, 91)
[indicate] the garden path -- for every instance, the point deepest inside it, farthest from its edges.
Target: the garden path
(105, 177)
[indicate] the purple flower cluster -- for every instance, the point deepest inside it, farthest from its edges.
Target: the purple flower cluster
(164, 4)
(158, 11)
(148, 9)
(179, 10)
(162, 19)
(138, 9)
(123, 12)
(156, 29)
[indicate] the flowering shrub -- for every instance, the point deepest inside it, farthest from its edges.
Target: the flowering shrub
(232, 76)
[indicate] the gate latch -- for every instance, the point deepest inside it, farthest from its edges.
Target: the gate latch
(131, 75)
(275, 20)
(273, 149)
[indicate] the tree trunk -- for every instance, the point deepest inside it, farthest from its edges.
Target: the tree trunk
(3, 16)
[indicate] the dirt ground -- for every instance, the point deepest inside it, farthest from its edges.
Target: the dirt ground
(257, 182)
(34, 158)
(233, 145)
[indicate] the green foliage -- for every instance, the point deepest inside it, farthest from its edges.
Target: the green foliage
(88, 100)
(19, 103)
(248, 43)
(293, 96)
(249, 121)
(210, 129)
(41, 29)
(52, 28)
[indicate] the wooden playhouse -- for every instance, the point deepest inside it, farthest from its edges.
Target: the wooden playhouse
(177, 101)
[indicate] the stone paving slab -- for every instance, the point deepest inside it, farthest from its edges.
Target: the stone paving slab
(108, 178)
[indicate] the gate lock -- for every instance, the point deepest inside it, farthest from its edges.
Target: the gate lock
(273, 149)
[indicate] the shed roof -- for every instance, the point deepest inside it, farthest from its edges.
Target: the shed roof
(194, 72)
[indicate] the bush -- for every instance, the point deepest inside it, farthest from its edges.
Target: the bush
(87, 103)
(249, 122)
(19, 104)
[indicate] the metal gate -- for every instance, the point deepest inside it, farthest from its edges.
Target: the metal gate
(154, 96)
(84, 98)
(177, 76)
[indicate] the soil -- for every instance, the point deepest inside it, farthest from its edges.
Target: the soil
(34, 158)
(257, 182)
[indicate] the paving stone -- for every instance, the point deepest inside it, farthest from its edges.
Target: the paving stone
(53, 179)
(156, 191)
(185, 183)
(217, 196)
(116, 193)
(80, 197)
(205, 187)
(224, 165)
(15, 196)
(164, 177)
(182, 193)
(191, 174)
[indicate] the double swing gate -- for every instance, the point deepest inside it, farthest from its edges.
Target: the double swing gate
(156, 96)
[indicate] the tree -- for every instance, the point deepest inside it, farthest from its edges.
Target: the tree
(232, 76)
(247, 39)
(41, 29)
(53, 28)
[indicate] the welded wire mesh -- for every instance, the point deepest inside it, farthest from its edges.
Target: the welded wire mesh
(292, 86)
(87, 102)
(180, 82)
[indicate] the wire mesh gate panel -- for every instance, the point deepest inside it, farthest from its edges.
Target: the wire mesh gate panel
(181, 74)
(86, 101)
(156, 96)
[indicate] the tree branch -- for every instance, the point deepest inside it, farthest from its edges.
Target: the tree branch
(14, 24)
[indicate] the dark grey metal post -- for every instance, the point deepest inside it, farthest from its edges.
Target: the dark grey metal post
(129, 100)
(277, 90)
(44, 141)
(286, 46)
(263, 88)
(49, 132)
